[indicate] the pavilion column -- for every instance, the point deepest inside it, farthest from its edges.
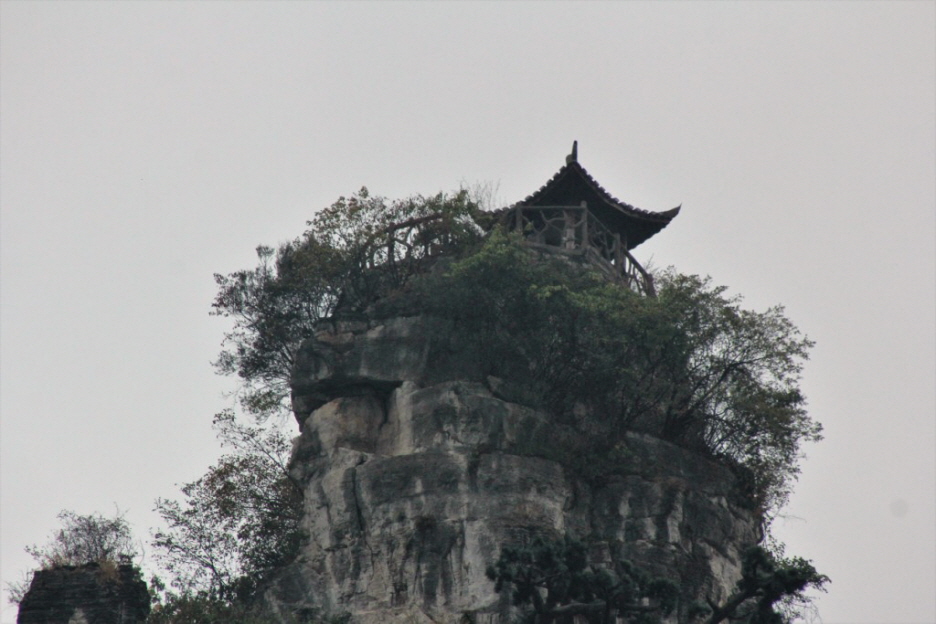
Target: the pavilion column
(568, 232)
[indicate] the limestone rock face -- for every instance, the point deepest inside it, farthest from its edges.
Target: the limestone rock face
(88, 594)
(417, 469)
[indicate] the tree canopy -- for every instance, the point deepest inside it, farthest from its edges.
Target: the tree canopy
(80, 540)
(93, 538)
(357, 249)
(770, 590)
(237, 522)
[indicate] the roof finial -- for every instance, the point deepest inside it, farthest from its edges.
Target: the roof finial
(573, 157)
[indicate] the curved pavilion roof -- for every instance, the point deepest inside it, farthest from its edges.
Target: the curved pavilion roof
(572, 185)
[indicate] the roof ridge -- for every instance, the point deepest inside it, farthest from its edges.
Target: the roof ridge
(574, 164)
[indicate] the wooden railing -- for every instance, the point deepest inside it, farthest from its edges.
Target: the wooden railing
(392, 255)
(574, 228)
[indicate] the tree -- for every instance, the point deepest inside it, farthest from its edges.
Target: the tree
(769, 589)
(81, 540)
(354, 251)
(690, 365)
(86, 539)
(554, 579)
(237, 522)
(734, 384)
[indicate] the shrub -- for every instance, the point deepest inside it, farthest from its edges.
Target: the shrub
(81, 540)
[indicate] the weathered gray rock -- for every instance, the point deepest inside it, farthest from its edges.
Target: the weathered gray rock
(349, 358)
(417, 468)
(89, 594)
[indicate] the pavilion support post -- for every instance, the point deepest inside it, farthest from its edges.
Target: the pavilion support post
(568, 231)
(585, 242)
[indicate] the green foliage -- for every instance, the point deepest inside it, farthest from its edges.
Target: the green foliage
(555, 580)
(86, 539)
(81, 540)
(690, 365)
(736, 382)
(237, 522)
(545, 320)
(355, 251)
(770, 589)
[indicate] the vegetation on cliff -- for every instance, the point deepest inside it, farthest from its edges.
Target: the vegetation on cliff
(236, 523)
(354, 251)
(81, 540)
(690, 365)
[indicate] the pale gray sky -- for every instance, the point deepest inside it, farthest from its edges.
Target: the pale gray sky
(148, 145)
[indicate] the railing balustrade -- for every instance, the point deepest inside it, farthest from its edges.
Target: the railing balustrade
(394, 254)
(574, 227)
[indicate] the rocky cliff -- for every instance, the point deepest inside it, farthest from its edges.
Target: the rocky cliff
(417, 468)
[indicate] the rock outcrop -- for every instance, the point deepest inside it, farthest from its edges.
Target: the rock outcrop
(89, 594)
(417, 468)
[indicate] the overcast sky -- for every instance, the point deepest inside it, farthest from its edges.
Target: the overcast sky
(146, 146)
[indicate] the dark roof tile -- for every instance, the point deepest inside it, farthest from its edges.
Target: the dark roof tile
(572, 184)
